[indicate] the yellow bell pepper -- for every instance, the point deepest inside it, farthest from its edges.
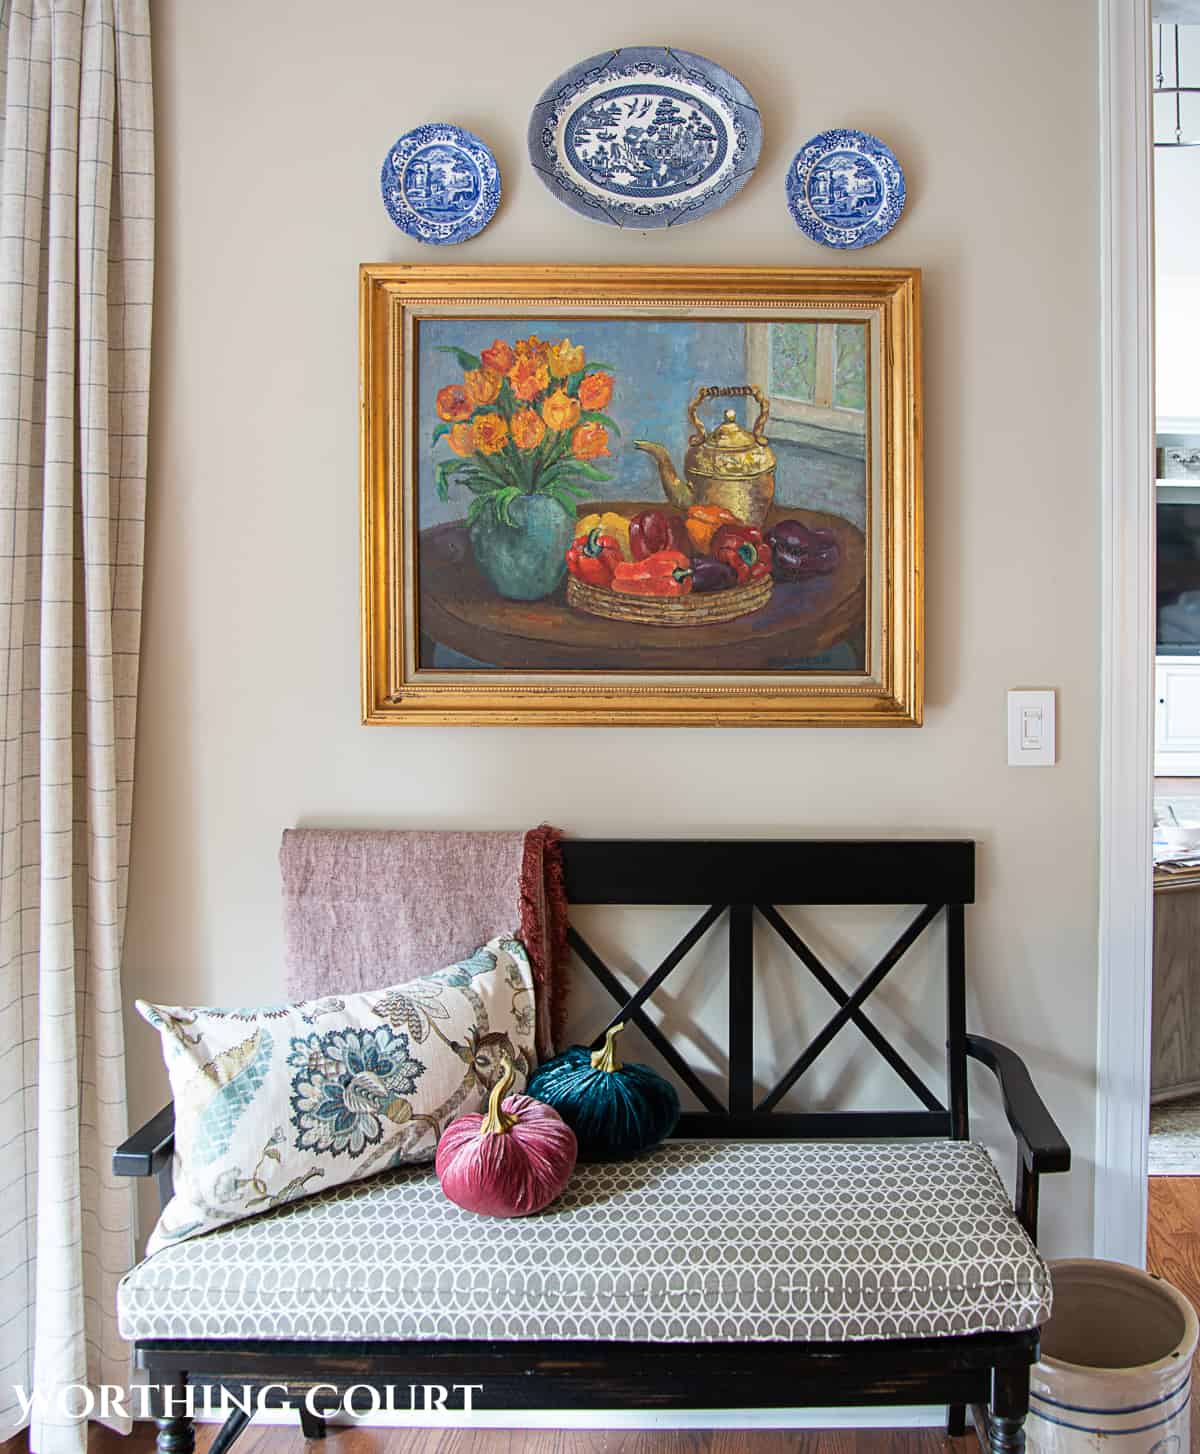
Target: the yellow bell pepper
(610, 523)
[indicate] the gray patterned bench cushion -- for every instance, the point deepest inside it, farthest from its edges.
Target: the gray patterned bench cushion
(699, 1241)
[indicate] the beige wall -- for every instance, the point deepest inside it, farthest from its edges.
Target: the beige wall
(273, 121)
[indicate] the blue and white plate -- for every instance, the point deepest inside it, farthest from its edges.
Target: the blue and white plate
(440, 184)
(845, 189)
(645, 136)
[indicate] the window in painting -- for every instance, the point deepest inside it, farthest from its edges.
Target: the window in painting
(814, 373)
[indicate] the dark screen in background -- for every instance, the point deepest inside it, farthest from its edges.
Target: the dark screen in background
(1178, 585)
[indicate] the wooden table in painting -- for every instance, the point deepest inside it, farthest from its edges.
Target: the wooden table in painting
(461, 609)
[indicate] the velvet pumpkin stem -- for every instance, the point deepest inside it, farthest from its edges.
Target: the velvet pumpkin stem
(606, 1059)
(498, 1121)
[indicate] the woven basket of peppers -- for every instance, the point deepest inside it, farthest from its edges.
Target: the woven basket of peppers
(660, 569)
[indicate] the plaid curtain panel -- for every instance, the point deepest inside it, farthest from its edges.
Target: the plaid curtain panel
(76, 275)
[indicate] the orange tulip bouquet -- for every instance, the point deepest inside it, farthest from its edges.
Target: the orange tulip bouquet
(525, 426)
(527, 419)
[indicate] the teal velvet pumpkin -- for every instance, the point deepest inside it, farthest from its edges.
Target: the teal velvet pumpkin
(615, 1110)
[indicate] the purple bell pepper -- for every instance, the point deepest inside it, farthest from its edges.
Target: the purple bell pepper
(799, 552)
(712, 575)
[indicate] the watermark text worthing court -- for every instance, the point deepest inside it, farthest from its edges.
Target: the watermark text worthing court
(167, 1401)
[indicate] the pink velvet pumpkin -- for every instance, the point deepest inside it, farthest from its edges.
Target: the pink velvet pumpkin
(509, 1163)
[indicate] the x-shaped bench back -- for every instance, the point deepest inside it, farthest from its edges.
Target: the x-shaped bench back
(742, 878)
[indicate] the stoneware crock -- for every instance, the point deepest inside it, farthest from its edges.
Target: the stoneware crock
(1116, 1363)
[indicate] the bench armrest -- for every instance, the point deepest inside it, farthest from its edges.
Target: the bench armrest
(150, 1151)
(1043, 1146)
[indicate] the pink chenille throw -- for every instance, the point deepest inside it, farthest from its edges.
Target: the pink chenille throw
(365, 908)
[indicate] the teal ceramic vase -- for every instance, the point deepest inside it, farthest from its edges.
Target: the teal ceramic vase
(525, 561)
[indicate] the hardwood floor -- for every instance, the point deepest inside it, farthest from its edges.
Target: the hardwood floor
(1173, 1252)
(1173, 1248)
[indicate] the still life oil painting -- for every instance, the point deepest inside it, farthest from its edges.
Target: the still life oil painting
(625, 511)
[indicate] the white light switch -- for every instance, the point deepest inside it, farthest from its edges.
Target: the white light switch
(1031, 729)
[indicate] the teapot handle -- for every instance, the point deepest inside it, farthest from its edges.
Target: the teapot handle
(735, 391)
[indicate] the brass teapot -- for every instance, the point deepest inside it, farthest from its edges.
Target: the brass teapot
(730, 466)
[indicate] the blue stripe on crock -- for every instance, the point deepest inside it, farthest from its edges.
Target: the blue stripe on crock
(1088, 1429)
(1132, 1408)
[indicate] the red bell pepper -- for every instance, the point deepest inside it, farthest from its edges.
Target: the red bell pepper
(655, 530)
(665, 573)
(594, 557)
(743, 549)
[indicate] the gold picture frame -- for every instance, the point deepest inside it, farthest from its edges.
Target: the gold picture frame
(837, 351)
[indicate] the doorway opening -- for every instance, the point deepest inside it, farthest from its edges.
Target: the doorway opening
(1173, 1148)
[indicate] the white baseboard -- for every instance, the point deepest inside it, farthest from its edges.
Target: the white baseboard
(913, 1417)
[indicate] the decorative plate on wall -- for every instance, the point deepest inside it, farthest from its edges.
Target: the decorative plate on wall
(845, 189)
(645, 136)
(440, 184)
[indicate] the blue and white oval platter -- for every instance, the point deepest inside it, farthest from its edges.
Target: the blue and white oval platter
(845, 189)
(440, 184)
(645, 136)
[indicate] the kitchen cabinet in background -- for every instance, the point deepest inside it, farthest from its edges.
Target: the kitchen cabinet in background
(1176, 716)
(1175, 1013)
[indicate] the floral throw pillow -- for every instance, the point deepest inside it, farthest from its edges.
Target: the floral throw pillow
(281, 1102)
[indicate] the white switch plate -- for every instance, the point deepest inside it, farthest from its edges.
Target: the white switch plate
(1031, 729)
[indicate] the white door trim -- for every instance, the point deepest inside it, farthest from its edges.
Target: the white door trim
(1127, 630)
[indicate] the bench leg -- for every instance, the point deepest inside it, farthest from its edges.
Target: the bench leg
(1010, 1404)
(229, 1430)
(312, 1425)
(176, 1432)
(956, 1421)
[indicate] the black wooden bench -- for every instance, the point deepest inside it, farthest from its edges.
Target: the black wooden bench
(986, 1369)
